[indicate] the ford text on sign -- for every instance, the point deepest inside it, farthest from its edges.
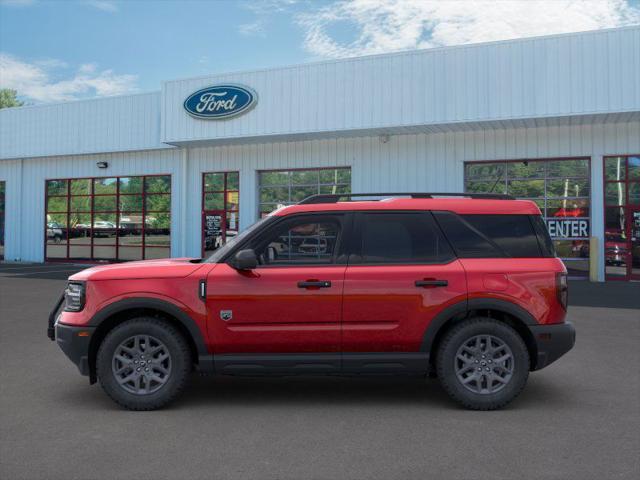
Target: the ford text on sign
(568, 228)
(220, 101)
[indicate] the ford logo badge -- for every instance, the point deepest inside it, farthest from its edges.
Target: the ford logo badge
(220, 101)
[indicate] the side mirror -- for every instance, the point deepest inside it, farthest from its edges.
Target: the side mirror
(245, 260)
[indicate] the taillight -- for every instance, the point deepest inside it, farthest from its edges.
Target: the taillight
(562, 289)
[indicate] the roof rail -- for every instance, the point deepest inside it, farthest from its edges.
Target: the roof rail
(335, 198)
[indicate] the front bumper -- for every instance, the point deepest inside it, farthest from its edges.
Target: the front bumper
(552, 341)
(74, 342)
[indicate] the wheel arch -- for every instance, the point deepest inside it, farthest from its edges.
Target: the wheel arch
(511, 314)
(121, 311)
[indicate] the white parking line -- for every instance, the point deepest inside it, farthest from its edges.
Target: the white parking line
(31, 267)
(24, 267)
(40, 271)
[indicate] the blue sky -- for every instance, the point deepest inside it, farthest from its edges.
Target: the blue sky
(63, 50)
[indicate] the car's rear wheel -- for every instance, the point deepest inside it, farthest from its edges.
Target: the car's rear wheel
(483, 363)
(143, 363)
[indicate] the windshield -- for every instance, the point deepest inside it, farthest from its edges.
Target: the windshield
(226, 248)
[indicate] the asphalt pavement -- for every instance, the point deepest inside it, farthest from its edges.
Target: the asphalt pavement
(577, 419)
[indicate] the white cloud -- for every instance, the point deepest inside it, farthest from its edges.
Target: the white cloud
(390, 25)
(36, 81)
(50, 63)
(269, 6)
(252, 29)
(104, 5)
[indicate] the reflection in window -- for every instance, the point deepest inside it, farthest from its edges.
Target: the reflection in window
(118, 218)
(302, 243)
(278, 188)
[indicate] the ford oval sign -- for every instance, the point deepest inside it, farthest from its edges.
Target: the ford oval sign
(220, 101)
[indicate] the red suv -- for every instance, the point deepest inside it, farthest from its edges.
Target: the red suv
(464, 287)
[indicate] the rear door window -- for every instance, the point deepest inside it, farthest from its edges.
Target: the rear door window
(401, 238)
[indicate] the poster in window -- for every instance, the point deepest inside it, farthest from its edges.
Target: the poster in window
(213, 232)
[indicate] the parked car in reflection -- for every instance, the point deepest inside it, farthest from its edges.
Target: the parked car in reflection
(54, 232)
(313, 246)
(130, 225)
(615, 249)
(103, 228)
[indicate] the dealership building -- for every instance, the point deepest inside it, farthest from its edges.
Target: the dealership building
(176, 172)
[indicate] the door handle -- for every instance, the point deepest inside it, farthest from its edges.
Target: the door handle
(431, 283)
(314, 284)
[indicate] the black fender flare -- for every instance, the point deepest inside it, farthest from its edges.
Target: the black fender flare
(154, 304)
(463, 307)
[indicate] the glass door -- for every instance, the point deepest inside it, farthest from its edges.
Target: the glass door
(220, 205)
(622, 217)
(634, 241)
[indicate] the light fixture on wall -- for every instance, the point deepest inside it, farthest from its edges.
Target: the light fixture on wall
(102, 164)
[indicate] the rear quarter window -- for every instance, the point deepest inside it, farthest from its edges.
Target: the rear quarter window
(491, 236)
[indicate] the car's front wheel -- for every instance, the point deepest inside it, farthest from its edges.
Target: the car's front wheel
(143, 363)
(483, 363)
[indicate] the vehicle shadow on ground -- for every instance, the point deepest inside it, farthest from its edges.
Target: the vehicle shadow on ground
(253, 392)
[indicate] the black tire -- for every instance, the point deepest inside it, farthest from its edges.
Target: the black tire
(452, 371)
(179, 363)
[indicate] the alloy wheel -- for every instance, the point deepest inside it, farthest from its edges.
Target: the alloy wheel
(141, 364)
(484, 364)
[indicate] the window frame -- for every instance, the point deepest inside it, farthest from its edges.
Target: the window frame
(68, 195)
(355, 243)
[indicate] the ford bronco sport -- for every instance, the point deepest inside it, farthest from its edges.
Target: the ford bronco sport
(463, 287)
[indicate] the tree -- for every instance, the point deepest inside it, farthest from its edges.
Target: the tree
(8, 98)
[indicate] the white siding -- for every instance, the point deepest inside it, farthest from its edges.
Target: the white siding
(11, 174)
(548, 77)
(90, 126)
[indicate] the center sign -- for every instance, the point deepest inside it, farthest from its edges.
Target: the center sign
(219, 102)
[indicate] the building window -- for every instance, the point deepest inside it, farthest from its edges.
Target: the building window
(560, 187)
(622, 217)
(108, 219)
(2, 210)
(220, 209)
(286, 187)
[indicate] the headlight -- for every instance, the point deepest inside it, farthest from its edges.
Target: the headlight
(74, 297)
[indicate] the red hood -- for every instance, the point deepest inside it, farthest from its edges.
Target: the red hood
(161, 268)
